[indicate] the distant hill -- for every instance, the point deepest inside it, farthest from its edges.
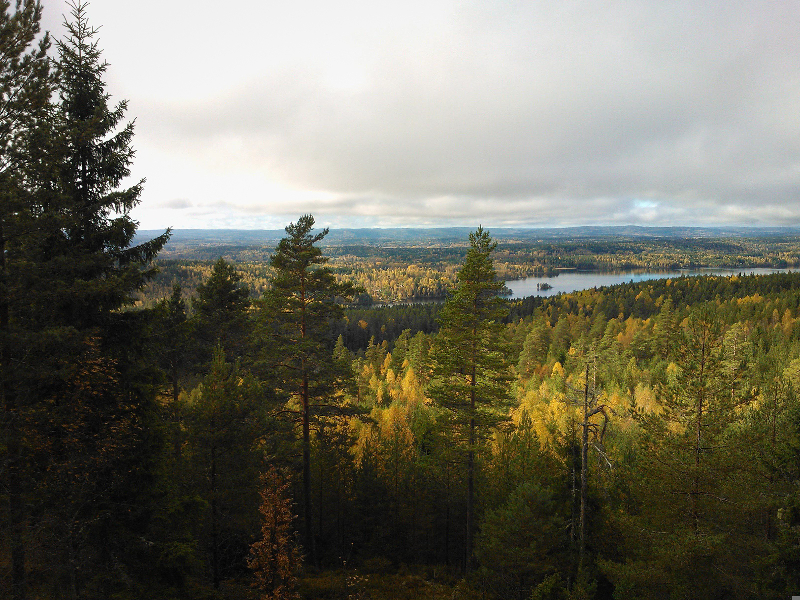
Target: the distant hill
(187, 243)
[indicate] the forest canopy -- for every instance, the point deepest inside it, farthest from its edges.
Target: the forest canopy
(423, 266)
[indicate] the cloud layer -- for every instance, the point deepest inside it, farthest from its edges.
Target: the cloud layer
(424, 113)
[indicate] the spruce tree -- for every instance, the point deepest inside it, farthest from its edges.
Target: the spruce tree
(471, 376)
(683, 536)
(221, 309)
(68, 266)
(172, 337)
(99, 267)
(226, 425)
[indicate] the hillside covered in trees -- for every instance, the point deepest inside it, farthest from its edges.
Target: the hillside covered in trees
(249, 439)
(420, 264)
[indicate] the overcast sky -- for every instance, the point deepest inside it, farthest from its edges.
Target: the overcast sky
(251, 113)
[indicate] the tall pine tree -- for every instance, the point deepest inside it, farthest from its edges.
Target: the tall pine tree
(298, 311)
(471, 366)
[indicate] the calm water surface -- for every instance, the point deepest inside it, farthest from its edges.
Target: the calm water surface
(571, 281)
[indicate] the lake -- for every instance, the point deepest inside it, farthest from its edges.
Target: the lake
(571, 281)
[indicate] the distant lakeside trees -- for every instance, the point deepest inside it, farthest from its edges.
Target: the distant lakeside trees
(401, 274)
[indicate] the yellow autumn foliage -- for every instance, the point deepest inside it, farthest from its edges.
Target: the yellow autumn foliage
(645, 398)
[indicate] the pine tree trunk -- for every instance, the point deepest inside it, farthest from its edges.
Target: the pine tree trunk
(307, 518)
(698, 438)
(574, 481)
(175, 384)
(447, 521)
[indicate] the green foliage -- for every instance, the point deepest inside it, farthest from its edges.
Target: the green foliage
(26, 84)
(550, 588)
(470, 363)
(691, 475)
(299, 308)
(225, 423)
(525, 540)
(75, 385)
(386, 323)
(534, 351)
(470, 372)
(171, 338)
(98, 268)
(296, 314)
(220, 309)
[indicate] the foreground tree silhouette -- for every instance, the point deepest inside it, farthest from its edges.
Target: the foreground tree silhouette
(100, 266)
(226, 427)
(68, 266)
(26, 85)
(297, 313)
(471, 376)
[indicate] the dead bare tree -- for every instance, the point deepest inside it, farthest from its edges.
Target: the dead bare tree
(588, 398)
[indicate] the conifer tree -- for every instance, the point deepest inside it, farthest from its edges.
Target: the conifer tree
(471, 366)
(221, 310)
(534, 351)
(298, 311)
(26, 84)
(173, 337)
(82, 268)
(97, 265)
(682, 538)
(226, 423)
(68, 265)
(666, 332)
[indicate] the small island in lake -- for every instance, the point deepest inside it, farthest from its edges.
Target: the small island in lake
(543, 286)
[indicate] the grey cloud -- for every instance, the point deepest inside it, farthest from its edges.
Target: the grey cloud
(177, 203)
(645, 112)
(504, 211)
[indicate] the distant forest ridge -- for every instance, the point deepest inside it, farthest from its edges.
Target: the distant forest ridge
(401, 265)
(458, 235)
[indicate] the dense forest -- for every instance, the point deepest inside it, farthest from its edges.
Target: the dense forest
(271, 438)
(424, 268)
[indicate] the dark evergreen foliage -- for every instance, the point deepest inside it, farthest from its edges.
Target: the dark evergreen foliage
(296, 314)
(221, 312)
(470, 373)
(386, 323)
(98, 267)
(68, 269)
